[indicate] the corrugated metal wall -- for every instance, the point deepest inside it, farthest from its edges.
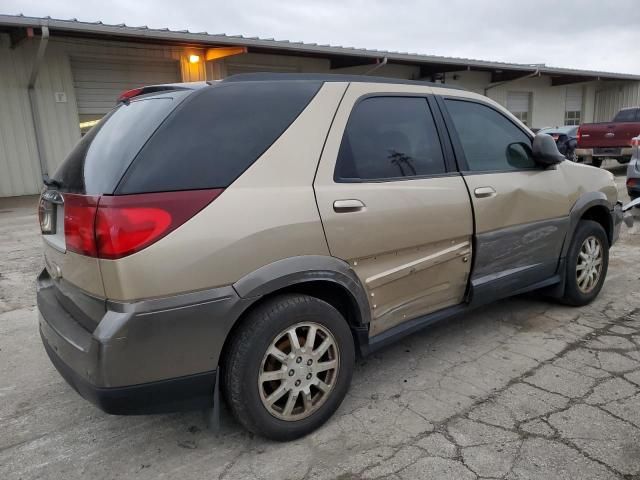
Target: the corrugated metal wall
(19, 166)
(612, 99)
(19, 169)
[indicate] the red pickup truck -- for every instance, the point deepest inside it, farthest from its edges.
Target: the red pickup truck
(597, 141)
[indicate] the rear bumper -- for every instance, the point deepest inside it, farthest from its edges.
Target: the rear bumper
(145, 357)
(192, 392)
(589, 152)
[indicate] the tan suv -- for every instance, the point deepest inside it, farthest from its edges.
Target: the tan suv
(260, 232)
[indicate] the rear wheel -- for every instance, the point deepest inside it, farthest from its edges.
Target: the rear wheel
(587, 263)
(288, 366)
(596, 162)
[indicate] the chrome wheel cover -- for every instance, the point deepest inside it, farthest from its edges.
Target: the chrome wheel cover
(299, 371)
(589, 265)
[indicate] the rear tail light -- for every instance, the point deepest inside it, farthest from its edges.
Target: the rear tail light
(635, 141)
(79, 222)
(632, 182)
(116, 226)
(578, 135)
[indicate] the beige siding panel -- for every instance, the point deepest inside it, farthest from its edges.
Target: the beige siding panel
(258, 62)
(99, 83)
(19, 165)
(19, 168)
(610, 100)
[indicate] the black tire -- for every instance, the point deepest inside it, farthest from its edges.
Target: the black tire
(596, 162)
(573, 295)
(244, 357)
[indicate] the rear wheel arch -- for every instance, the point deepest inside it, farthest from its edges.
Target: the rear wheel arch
(326, 278)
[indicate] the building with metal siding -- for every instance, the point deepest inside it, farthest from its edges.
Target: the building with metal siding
(85, 65)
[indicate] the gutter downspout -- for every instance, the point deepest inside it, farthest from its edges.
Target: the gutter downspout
(497, 84)
(35, 114)
(379, 65)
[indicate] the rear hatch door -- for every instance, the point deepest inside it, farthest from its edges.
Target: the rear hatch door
(93, 169)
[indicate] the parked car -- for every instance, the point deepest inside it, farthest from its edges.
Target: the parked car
(597, 141)
(566, 140)
(633, 170)
(257, 234)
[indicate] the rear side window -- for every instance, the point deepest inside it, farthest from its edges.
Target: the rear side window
(389, 137)
(98, 161)
(627, 115)
(214, 136)
(489, 140)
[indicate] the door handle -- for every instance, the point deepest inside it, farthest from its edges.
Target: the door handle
(347, 206)
(484, 192)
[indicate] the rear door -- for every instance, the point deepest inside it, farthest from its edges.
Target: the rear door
(390, 204)
(521, 209)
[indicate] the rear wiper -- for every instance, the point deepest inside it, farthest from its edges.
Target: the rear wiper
(50, 182)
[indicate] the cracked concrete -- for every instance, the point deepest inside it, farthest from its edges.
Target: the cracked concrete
(523, 389)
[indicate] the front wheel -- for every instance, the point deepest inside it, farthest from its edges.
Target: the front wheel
(587, 263)
(288, 367)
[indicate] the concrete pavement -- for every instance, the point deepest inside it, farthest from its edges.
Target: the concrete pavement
(523, 389)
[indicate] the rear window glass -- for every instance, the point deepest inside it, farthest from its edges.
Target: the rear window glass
(626, 115)
(97, 163)
(214, 136)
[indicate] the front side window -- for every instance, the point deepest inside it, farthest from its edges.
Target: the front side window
(389, 137)
(489, 140)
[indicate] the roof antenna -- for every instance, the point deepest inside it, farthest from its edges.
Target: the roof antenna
(379, 65)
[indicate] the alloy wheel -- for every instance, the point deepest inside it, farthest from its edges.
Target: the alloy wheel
(589, 265)
(299, 371)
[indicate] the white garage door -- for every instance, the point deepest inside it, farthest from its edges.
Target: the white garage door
(99, 83)
(519, 103)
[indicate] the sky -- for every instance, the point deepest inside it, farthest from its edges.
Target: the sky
(589, 34)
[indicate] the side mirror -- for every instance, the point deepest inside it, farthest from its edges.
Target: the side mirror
(519, 155)
(545, 150)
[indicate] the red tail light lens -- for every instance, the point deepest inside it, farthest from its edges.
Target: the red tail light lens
(79, 220)
(578, 135)
(116, 226)
(127, 224)
(635, 141)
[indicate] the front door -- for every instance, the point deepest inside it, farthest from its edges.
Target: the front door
(389, 205)
(521, 208)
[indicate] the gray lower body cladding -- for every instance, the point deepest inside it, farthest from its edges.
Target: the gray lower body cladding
(149, 356)
(513, 258)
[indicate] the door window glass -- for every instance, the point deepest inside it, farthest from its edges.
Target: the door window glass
(490, 141)
(389, 137)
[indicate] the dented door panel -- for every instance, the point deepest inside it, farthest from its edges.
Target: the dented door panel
(409, 241)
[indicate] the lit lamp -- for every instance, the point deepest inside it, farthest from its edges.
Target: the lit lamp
(194, 58)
